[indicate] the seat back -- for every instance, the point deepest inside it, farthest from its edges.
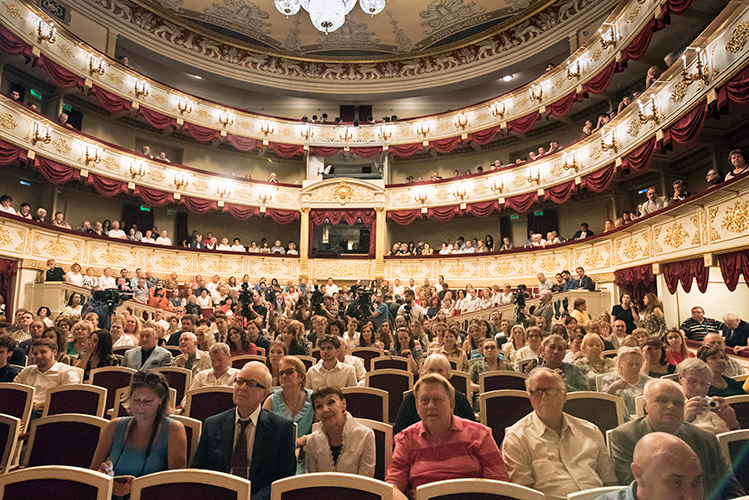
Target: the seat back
(10, 429)
(76, 398)
(17, 400)
(395, 383)
(190, 483)
(383, 445)
(120, 351)
(44, 483)
(593, 493)
(501, 409)
(208, 401)
(367, 402)
(740, 405)
(476, 489)
(193, 427)
(111, 378)
(604, 410)
(393, 362)
(308, 361)
(367, 354)
(501, 379)
(735, 448)
(178, 379)
(173, 349)
(69, 439)
(239, 361)
(462, 382)
(315, 352)
(330, 486)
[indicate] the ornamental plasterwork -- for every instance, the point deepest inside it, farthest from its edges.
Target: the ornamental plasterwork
(504, 268)
(459, 270)
(111, 163)
(200, 186)
(550, 264)
(633, 15)
(738, 38)
(114, 78)
(62, 146)
(322, 269)
(342, 192)
(680, 91)
(12, 10)
(634, 127)
(7, 121)
(695, 219)
(55, 248)
(736, 219)
(167, 262)
(5, 238)
(632, 249)
(67, 51)
(656, 246)
(113, 257)
(714, 235)
(676, 235)
(593, 259)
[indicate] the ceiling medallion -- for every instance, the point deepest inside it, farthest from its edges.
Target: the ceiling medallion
(328, 15)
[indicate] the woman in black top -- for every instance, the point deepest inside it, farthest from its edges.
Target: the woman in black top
(627, 312)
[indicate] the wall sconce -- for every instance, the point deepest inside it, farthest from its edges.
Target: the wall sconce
(266, 127)
(223, 189)
(180, 180)
(225, 119)
(422, 129)
(421, 195)
(608, 37)
(141, 88)
(702, 74)
(38, 136)
(573, 70)
(461, 121)
(497, 184)
(534, 176)
(265, 194)
(654, 115)
(609, 146)
(386, 132)
(569, 162)
(307, 132)
(344, 134)
(536, 92)
(498, 109)
(137, 169)
(184, 106)
(96, 65)
(46, 32)
(92, 155)
(459, 190)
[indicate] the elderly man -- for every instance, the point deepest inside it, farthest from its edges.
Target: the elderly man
(654, 202)
(733, 367)
(543, 283)
(664, 468)
(147, 355)
(52, 272)
(330, 371)
(553, 349)
(45, 373)
(191, 358)
(696, 327)
(545, 309)
(220, 372)
(695, 377)
(735, 331)
(442, 446)
(551, 451)
(664, 403)
(248, 441)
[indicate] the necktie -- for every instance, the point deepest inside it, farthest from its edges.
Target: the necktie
(239, 462)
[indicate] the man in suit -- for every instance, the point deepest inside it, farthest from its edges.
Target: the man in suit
(584, 232)
(147, 355)
(582, 281)
(735, 331)
(664, 403)
(249, 441)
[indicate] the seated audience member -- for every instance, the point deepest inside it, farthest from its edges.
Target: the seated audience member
(653, 203)
(147, 355)
(735, 331)
(59, 337)
(664, 404)
(164, 239)
(146, 151)
(62, 119)
(715, 357)
(652, 76)
(191, 358)
(254, 336)
(45, 373)
(5, 201)
(248, 441)
(713, 177)
(452, 351)
(663, 467)
(40, 215)
(98, 353)
(237, 246)
(697, 326)
(656, 365)
(628, 382)
(146, 442)
(491, 361)
(737, 160)
(25, 211)
(532, 349)
(733, 368)
(552, 355)
(116, 232)
(441, 446)
(550, 451)
(7, 372)
(52, 273)
(277, 248)
(325, 452)
(162, 157)
(407, 413)
(680, 191)
(148, 237)
(59, 221)
(329, 371)
(593, 363)
(220, 373)
(582, 281)
(695, 378)
(579, 312)
(584, 232)
(676, 348)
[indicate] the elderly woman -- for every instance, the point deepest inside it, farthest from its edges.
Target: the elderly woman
(695, 377)
(628, 382)
(579, 312)
(656, 365)
(442, 446)
(594, 363)
(716, 359)
(531, 351)
(407, 414)
(325, 450)
(205, 337)
(146, 442)
(81, 332)
(490, 362)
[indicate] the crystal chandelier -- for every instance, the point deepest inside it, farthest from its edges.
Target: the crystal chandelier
(328, 15)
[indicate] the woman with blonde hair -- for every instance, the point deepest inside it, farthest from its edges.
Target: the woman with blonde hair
(627, 382)
(515, 342)
(132, 328)
(81, 332)
(205, 338)
(579, 312)
(594, 363)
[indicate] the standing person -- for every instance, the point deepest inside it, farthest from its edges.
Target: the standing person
(653, 319)
(626, 311)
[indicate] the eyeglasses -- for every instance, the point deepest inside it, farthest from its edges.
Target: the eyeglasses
(239, 382)
(287, 372)
(549, 391)
(697, 382)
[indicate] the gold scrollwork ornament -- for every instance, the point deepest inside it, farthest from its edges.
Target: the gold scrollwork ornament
(738, 38)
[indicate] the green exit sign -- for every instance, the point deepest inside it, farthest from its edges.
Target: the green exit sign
(144, 209)
(538, 213)
(35, 93)
(514, 217)
(67, 108)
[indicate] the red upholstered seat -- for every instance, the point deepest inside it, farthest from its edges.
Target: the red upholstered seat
(367, 354)
(16, 401)
(498, 380)
(189, 484)
(68, 439)
(208, 401)
(367, 402)
(76, 398)
(177, 378)
(393, 362)
(111, 378)
(501, 409)
(603, 410)
(395, 383)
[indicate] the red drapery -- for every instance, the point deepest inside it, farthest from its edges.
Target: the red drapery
(324, 151)
(158, 120)
(283, 216)
(366, 152)
(336, 215)
(54, 172)
(443, 213)
(523, 124)
(59, 75)
(732, 266)
(736, 90)
(243, 143)
(678, 6)
(446, 145)
(106, 186)
(640, 43)
(404, 217)
(484, 136)
(241, 212)
(638, 281)
(688, 127)
(10, 153)
(11, 44)
(405, 150)
(109, 101)
(685, 271)
(563, 105)
(483, 208)
(8, 271)
(153, 197)
(522, 202)
(198, 205)
(201, 134)
(286, 150)
(560, 193)
(641, 157)
(599, 180)
(598, 83)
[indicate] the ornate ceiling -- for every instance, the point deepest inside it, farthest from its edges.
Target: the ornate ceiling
(404, 28)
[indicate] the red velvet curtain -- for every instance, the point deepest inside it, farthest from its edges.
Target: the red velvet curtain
(639, 44)
(59, 75)
(560, 193)
(109, 101)
(336, 215)
(286, 150)
(483, 208)
(10, 153)
(106, 186)
(241, 212)
(641, 157)
(446, 145)
(599, 180)
(11, 44)
(283, 216)
(598, 83)
(158, 120)
(523, 124)
(637, 281)
(243, 143)
(688, 127)
(324, 151)
(8, 271)
(563, 105)
(367, 152)
(443, 213)
(736, 90)
(684, 272)
(54, 172)
(405, 150)
(678, 6)
(521, 203)
(153, 197)
(484, 136)
(198, 205)
(201, 134)
(404, 217)
(732, 266)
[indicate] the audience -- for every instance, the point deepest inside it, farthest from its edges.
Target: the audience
(711, 414)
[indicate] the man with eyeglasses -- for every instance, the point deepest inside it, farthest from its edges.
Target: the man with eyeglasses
(551, 451)
(664, 404)
(248, 441)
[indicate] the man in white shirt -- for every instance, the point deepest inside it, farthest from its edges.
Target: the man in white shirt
(158, 318)
(331, 288)
(163, 239)
(148, 237)
(5, 201)
(354, 361)
(212, 288)
(116, 232)
(45, 373)
(106, 280)
(238, 246)
(220, 372)
(278, 248)
(551, 451)
(330, 371)
(654, 202)
(397, 288)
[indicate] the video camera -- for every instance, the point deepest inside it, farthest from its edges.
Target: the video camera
(519, 302)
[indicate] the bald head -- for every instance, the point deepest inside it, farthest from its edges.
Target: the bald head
(666, 468)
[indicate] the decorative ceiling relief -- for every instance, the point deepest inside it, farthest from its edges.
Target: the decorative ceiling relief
(239, 15)
(444, 14)
(351, 31)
